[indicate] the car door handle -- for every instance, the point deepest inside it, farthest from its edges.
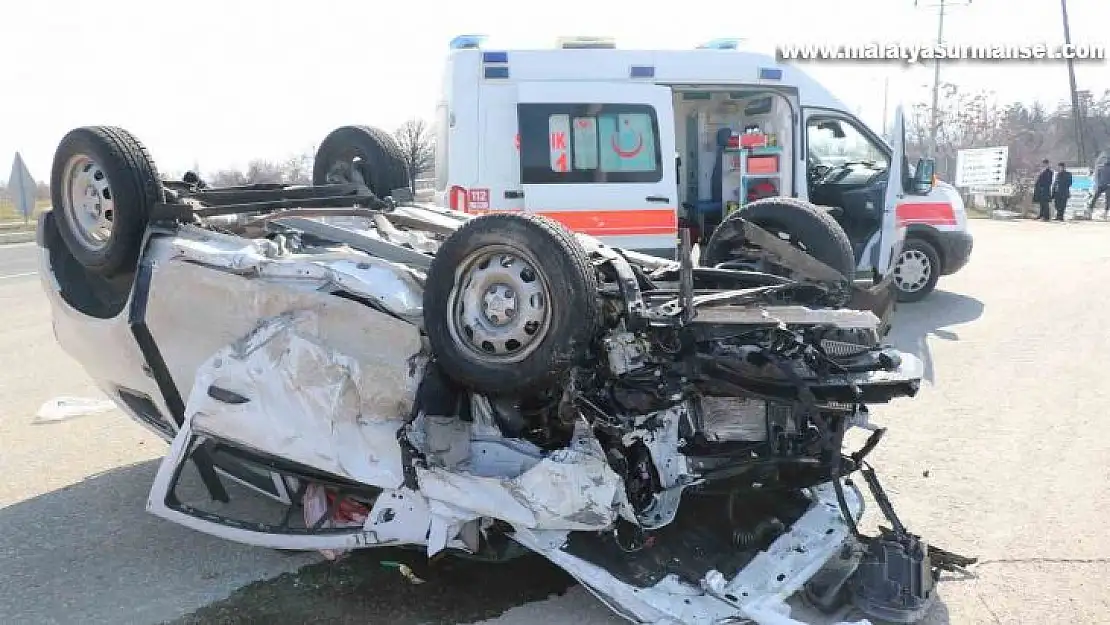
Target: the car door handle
(514, 195)
(658, 198)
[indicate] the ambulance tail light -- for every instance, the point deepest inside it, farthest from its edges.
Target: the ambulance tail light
(457, 199)
(586, 43)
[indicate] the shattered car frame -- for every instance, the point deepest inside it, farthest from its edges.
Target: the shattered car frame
(398, 374)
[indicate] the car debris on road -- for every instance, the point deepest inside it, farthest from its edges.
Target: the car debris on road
(405, 375)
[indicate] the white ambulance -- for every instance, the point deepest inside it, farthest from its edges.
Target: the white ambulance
(626, 145)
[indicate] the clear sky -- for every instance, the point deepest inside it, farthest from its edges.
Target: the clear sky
(218, 82)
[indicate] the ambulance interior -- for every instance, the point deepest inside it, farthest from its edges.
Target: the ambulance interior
(734, 147)
(737, 145)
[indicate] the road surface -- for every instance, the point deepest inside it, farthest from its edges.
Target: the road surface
(1002, 456)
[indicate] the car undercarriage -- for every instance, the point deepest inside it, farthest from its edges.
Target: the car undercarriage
(397, 374)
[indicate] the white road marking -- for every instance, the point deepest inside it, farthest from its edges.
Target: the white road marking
(19, 275)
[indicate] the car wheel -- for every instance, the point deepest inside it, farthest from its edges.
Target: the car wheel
(806, 226)
(916, 271)
(361, 155)
(103, 184)
(510, 304)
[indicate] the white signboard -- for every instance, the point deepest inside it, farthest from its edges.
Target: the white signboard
(981, 167)
(1082, 183)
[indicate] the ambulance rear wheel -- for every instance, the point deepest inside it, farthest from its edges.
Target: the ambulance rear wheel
(510, 304)
(361, 155)
(804, 225)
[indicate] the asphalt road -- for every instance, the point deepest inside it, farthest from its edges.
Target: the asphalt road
(17, 261)
(1003, 456)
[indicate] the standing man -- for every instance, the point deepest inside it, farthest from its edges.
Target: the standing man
(1102, 185)
(1042, 191)
(1061, 190)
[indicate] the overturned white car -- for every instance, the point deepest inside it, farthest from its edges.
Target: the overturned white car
(399, 374)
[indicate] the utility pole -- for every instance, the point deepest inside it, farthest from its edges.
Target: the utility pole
(886, 98)
(1077, 114)
(936, 84)
(935, 122)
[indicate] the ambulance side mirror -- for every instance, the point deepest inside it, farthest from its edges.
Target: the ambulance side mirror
(922, 181)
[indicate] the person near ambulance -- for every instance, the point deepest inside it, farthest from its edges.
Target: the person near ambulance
(1042, 191)
(1102, 184)
(1061, 189)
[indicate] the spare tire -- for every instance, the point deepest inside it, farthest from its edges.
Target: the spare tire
(103, 184)
(364, 155)
(804, 225)
(510, 304)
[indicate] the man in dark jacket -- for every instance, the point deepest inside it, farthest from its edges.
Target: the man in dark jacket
(1042, 191)
(1061, 190)
(1102, 185)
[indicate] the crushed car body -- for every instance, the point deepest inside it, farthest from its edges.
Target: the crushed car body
(397, 374)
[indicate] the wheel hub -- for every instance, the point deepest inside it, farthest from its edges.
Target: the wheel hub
(88, 203)
(912, 271)
(500, 304)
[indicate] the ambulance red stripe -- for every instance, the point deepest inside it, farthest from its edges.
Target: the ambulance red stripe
(931, 213)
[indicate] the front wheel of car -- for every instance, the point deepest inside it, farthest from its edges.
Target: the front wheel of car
(511, 304)
(916, 271)
(103, 185)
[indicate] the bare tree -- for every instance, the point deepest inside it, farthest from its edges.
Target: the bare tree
(417, 145)
(263, 171)
(297, 169)
(227, 178)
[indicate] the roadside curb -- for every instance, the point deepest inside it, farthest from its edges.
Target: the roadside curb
(17, 237)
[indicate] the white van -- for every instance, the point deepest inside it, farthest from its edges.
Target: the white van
(626, 145)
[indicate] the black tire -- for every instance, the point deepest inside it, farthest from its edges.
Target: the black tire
(381, 163)
(571, 308)
(922, 251)
(117, 168)
(809, 227)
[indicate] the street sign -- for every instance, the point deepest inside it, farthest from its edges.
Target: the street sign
(1004, 190)
(982, 167)
(22, 187)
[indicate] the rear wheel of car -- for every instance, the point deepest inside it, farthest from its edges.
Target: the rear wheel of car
(804, 225)
(103, 184)
(917, 270)
(361, 155)
(510, 304)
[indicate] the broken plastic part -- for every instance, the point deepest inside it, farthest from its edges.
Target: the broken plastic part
(895, 580)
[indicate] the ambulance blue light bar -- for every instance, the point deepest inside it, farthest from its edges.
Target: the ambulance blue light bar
(720, 44)
(642, 71)
(770, 73)
(465, 42)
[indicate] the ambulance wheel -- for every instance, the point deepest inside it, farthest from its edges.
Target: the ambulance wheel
(510, 304)
(804, 225)
(103, 185)
(361, 155)
(917, 270)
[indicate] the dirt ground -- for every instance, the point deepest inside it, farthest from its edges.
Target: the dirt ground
(1001, 456)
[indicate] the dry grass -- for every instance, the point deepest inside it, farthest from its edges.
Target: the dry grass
(9, 214)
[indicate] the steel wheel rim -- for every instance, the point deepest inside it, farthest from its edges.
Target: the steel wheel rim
(88, 202)
(500, 304)
(913, 271)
